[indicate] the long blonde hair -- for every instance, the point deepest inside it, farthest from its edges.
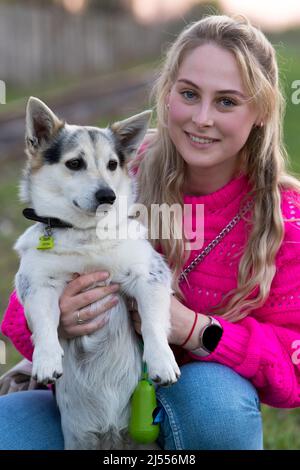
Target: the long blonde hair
(263, 157)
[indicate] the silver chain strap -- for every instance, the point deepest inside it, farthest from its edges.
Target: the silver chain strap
(200, 257)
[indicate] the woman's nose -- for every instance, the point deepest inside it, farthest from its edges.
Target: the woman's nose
(202, 116)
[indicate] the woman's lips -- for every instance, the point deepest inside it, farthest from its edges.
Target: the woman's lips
(200, 142)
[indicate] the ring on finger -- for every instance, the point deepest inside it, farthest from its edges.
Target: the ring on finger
(79, 320)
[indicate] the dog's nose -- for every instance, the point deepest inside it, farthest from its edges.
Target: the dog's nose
(105, 196)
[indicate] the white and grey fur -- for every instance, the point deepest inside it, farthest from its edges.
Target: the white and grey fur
(95, 374)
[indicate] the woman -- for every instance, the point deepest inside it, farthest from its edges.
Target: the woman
(235, 312)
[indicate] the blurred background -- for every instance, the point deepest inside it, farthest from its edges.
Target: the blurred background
(94, 61)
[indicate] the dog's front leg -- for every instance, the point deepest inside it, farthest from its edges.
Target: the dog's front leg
(42, 312)
(153, 298)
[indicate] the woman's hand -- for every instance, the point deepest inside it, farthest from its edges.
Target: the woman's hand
(75, 304)
(182, 319)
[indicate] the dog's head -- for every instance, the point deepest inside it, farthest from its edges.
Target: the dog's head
(72, 170)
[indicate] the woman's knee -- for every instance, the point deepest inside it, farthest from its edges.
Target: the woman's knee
(210, 407)
(30, 421)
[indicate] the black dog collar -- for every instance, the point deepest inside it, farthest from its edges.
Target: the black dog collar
(49, 221)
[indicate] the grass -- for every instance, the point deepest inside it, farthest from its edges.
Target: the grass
(12, 224)
(290, 71)
(281, 427)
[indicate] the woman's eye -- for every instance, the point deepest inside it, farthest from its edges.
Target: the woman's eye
(112, 165)
(76, 164)
(188, 95)
(227, 102)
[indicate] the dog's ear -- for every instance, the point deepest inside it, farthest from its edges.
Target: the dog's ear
(41, 124)
(129, 133)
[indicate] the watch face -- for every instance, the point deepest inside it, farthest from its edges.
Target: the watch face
(211, 337)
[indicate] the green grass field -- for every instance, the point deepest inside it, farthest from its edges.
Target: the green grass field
(281, 427)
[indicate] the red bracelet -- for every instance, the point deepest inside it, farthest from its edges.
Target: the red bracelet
(191, 332)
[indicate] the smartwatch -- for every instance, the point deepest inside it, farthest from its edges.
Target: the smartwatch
(209, 338)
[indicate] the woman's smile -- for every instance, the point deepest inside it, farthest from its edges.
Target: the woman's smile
(200, 142)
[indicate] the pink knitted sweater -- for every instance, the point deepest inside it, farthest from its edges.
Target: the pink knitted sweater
(264, 347)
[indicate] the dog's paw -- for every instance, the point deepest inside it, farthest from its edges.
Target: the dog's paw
(162, 367)
(46, 369)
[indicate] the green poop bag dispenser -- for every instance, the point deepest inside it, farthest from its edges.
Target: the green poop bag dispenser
(142, 428)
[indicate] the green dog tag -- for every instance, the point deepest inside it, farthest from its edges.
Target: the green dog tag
(45, 243)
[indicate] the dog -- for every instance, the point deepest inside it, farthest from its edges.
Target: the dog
(75, 177)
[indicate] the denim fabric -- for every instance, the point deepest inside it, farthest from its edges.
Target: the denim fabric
(210, 407)
(30, 421)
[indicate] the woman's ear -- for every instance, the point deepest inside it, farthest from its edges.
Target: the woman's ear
(167, 100)
(259, 120)
(258, 125)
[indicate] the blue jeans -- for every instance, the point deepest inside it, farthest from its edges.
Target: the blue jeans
(211, 407)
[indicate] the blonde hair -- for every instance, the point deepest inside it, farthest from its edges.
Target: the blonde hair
(263, 157)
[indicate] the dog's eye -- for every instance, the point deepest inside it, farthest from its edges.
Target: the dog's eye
(112, 165)
(76, 164)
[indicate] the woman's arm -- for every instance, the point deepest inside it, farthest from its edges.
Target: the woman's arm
(265, 346)
(14, 326)
(262, 352)
(265, 354)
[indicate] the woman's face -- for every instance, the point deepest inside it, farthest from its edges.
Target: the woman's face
(209, 120)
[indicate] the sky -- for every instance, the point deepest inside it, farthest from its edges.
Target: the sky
(269, 14)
